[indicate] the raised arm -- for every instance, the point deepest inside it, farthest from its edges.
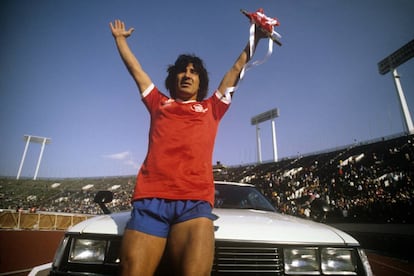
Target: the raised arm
(120, 35)
(231, 78)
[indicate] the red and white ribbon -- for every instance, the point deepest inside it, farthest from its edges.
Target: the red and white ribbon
(267, 24)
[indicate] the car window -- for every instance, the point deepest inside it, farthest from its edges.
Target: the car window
(240, 197)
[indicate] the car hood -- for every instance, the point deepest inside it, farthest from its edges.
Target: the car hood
(264, 226)
(240, 225)
(112, 224)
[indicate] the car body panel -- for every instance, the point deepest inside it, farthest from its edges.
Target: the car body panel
(113, 224)
(265, 226)
(240, 225)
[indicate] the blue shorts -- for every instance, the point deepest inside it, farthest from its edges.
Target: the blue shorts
(155, 216)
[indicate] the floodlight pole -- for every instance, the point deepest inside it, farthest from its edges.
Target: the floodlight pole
(275, 158)
(390, 63)
(404, 107)
(36, 139)
(40, 158)
(23, 157)
(256, 120)
(259, 144)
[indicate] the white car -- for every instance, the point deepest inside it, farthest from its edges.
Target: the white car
(251, 239)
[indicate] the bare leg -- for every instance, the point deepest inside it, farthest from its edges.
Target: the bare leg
(140, 253)
(191, 246)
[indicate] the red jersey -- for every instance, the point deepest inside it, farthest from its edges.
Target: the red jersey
(178, 164)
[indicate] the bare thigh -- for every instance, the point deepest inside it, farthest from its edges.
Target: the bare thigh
(140, 253)
(191, 246)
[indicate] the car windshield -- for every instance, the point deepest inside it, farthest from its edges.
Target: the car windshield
(240, 197)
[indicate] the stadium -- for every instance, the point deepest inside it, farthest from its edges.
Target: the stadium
(364, 189)
(368, 188)
(370, 182)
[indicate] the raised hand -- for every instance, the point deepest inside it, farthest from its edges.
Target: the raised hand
(118, 29)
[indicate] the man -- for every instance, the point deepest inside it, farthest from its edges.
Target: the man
(174, 193)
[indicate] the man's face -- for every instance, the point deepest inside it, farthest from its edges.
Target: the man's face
(188, 83)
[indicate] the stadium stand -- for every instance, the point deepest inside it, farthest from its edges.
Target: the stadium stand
(370, 182)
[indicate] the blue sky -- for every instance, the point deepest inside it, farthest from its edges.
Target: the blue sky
(61, 77)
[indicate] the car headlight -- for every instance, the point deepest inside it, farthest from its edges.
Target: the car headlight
(338, 260)
(88, 251)
(326, 261)
(302, 260)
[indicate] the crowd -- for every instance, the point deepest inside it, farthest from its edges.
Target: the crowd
(370, 182)
(64, 195)
(359, 183)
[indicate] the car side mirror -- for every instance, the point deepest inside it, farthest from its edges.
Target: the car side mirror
(103, 197)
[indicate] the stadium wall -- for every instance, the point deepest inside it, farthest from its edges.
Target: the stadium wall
(39, 221)
(29, 239)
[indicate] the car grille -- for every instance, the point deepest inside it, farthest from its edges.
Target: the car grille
(247, 259)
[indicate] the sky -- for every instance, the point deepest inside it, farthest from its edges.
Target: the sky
(61, 78)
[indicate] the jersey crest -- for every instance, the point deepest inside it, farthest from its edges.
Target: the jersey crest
(199, 108)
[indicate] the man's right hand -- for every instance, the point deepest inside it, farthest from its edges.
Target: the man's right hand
(118, 29)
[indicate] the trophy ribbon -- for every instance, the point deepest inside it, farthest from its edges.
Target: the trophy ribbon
(266, 25)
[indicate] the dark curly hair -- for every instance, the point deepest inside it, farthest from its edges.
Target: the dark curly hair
(179, 66)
